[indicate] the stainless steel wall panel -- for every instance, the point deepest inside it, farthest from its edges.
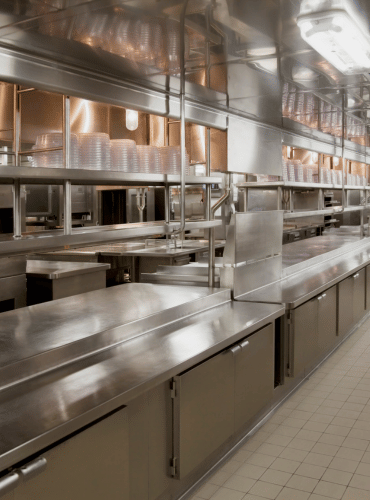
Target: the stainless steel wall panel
(253, 148)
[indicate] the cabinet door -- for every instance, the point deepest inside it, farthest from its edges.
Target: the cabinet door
(327, 320)
(358, 296)
(92, 464)
(345, 306)
(304, 348)
(367, 288)
(254, 376)
(203, 411)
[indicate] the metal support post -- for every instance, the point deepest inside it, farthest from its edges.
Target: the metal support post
(280, 198)
(17, 207)
(291, 203)
(67, 188)
(321, 161)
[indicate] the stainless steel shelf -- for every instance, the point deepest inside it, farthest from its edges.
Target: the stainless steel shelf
(31, 175)
(57, 240)
(298, 185)
(327, 211)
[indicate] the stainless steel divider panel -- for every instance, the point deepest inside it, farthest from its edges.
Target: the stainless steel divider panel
(359, 280)
(93, 464)
(203, 411)
(345, 306)
(254, 376)
(304, 338)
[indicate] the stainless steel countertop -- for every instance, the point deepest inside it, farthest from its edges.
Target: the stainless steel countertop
(43, 409)
(53, 270)
(296, 289)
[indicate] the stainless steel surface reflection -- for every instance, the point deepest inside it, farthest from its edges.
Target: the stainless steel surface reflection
(54, 270)
(38, 412)
(46, 335)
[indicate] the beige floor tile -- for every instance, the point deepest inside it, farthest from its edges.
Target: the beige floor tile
(284, 430)
(302, 483)
(315, 496)
(353, 406)
(330, 490)
(348, 414)
(356, 494)
(301, 444)
(338, 430)
(261, 460)
(315, 426)
(310, 470)
(252, 445)
(343, 464)
(270, 427)
(230, 466)
(305, 406)
(363, 424)
(344, 422)
(337, 476)
(318, 459)
(219, 478)
(325, 449)
(366, 457)
(276, 477)
(207, 490)
(331, 439)
(363, 469)
(292, 494)
(302, 415)
(357, 399)
(338, 397)
(313, 399)
(294, 422)
(323, 419)
(310, 435)
(278, 439)
(239, 483)
(265, 490)
(251, 471)
(242, 455)
(360, 482)
(284, 465)
(357, 444)
(270, 449)
(294, 454)
(227, 494)
(330, 403)
(248, 496)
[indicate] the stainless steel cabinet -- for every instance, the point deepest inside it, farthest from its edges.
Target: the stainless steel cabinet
(203, 411)
(92, 464)
(367, 294)
(218, 398)
(254, 376)
(351, 302)
(312, 332)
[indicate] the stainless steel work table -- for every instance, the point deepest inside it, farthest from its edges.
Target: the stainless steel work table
(122, 341)
(312, 277)
(51, 280)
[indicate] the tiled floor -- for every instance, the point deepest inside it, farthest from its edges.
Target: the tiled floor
(316, 446)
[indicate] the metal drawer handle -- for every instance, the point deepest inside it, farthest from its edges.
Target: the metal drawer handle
(321, 296)
(33, 469)
(8, 483)
(235, 349)
(244, 344)
(356, 275)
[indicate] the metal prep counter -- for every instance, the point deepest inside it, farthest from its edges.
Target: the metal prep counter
(61, 371)
(135, 257)
(51, 280)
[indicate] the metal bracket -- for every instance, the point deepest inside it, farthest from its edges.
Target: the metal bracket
(173, 389)
(173, 466)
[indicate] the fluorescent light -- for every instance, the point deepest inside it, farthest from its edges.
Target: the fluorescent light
(132, 119)
(339, 38)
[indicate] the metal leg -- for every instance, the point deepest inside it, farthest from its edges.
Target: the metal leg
(279, 198)
(67, 188)
(17, 213)
(291, 204)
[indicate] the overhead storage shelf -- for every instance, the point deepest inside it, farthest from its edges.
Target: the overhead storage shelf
(56, 240)
(54, 176)
(298, 185)
(326, 211)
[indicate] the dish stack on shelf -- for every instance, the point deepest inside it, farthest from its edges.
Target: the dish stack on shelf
(171, 160)
(326, 177)
(124, 155)
(148, 160)
(307, 174)
(94, 151)
(53, 159)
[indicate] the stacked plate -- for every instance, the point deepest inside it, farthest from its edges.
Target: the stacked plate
(149, 159)
(124, 155)
(326, 176)
(53, 159)
(307, 175)
(171, 160)
(94, 151)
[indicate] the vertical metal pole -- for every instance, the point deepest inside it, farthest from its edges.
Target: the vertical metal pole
(67, 188)
(344, 161)
(211, 232)
(280, 198)
(321, 158)
(17, 206)
(362, 228)
(245, 199)
(291, 204)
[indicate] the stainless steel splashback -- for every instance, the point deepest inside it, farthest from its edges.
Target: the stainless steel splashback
(253, 251)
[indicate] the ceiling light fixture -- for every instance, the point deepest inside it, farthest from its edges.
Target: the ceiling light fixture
(132, 119)
(340, 35)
